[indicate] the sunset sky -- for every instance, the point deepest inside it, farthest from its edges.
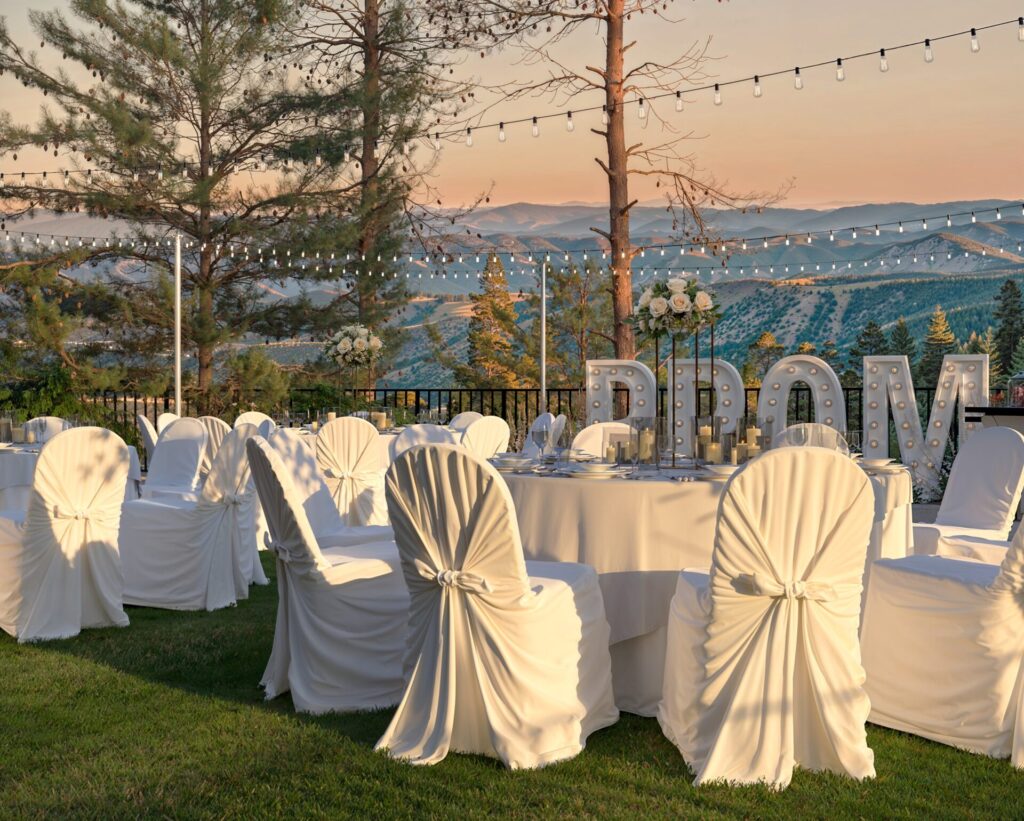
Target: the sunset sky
(922, 132)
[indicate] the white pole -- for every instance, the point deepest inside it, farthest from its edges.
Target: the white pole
(177, 325)
(543, 338)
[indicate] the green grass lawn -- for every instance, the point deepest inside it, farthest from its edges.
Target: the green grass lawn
(165, 718)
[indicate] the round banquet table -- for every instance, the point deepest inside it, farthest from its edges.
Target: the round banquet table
(638, 535)
(18, 466)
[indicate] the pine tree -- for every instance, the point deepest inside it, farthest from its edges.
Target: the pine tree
(806, 349)
(761, 354)
(938, 342)
(1009, 317)
(901, 342)
(871, 341)
(1017, 363)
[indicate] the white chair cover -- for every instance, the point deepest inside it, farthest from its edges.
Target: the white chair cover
(553, 425)
(423, 435)
(348, 452)
(297, 455)
(59, 569)
(591, 438)
(762, 669)
(463, 420)
(148, 435)
(943, 647)
(982, 493)
(341, 621)
(174, 471)
(499, 663)
(45, 427)
(183, 555)
(486, 437)
(256, 418)
(812, 435)
(165, 419)
(216, 430)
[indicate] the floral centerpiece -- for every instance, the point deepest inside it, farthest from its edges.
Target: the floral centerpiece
(353, 346)
(678, 307)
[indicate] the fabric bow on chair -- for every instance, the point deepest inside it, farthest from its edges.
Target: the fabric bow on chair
(349, 455)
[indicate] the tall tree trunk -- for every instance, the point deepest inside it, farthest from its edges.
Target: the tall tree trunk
(618, 185)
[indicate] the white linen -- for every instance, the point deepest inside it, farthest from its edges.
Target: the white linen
(486, 437)
(45, 427)
(256, 418)
(505, 659)
(216, 430)
(341, 620)
(18, 466)
(164, 420)
(943, 646)
(59, 567)
(174, 471)
(972, 548)
(811, 434)
(591, 438)
(763, 670)
(463, 420)
(422, 435)
(184, 555)
(348, 454)
(148, 435)
(298, 457)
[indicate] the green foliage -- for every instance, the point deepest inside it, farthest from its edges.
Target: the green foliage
(937, 343)
(761, 353)
(902, 342)
(1009, 318)
(986, 343)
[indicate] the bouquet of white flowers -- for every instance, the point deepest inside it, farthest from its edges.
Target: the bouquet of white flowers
(353, 346)
(678, 307)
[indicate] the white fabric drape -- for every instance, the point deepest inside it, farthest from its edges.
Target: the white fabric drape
(943, 646)
(813, 435)
(591, 438)
(499, 662)
(310, 488)
(348, 454)
(341, 618)
(148, 435)
(422, 435)
(184, 555)
(256, 418)
(982, 493)
(59, 566)
(164, 420)
(45, 427)
(486, 437)
(177, 458)
(763, 669)
(216, 430)
(463, 420)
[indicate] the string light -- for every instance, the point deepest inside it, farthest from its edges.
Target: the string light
(604, 115)
(679, 101)
(929, 55)
(718, 94)
(757, 86)
(641, 109)
(569, 126)
(501, 132)
(883, 61)
(975, 45)
(535, 129)
(840, 71)
(469, 137)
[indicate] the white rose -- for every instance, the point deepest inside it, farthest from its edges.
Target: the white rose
(345, 345)
(643, 324)
(678, 286)
(645, 298)
(703, 301)
(359, 344)
(375, 343)
(659, 306)
(680, 303)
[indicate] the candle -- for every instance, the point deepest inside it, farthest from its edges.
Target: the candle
(314, 426)
(705, 430)
(30, 437)
(331, 416)
(609, 454)
(17, 434)
(646, 445)
(5, 430)
(713, 453)
(752, 435)
(753, 451)
(379, 419)
(739, 453)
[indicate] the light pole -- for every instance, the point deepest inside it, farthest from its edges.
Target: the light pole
(177, 324)
(543, 339)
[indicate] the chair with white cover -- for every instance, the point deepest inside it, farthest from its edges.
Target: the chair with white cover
(505, 658)
(943, 647)
(184, 555)
(762, 667)
(341, 619)
(59, 565)
(486, 437)
(216, 430)
(164, 420)
(552, 425)
(174, 470)
(982, 493)
(297, 454)
(423, 435)
(256, 418)
(463, 420)
(348, 452)
(591, 438)
(811, 435)
(148, 435)
(45, 427)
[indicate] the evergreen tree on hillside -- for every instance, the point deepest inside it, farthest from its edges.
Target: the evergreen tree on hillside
(871, 341)
(986, 343)
(1009, 317)
(901, 342)
(938, 342)
(761, 354)
(1017, 363)
(806, 349)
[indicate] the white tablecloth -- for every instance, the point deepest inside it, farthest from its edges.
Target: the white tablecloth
(638, 535)
(18, 466)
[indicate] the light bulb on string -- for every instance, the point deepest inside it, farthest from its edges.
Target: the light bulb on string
(878, 231)
(901, 227)
(1020, 29)
(974, 219)
(929, 55)
(883, 61)
(840, 71)
(975, 45)
(437, 141)
(469, 137)
(924, 225)
(798, 81)
(535, 128)
(831, 236)
(569, 125)
(855, 233)
(757, 86)
(604, 115)
(501, 132)
(679, 101)
(949, 221)
(641, 109)
(718, 95)
(999, 214)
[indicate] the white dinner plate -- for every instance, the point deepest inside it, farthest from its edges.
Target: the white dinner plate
(723, 471)
(874, 463)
